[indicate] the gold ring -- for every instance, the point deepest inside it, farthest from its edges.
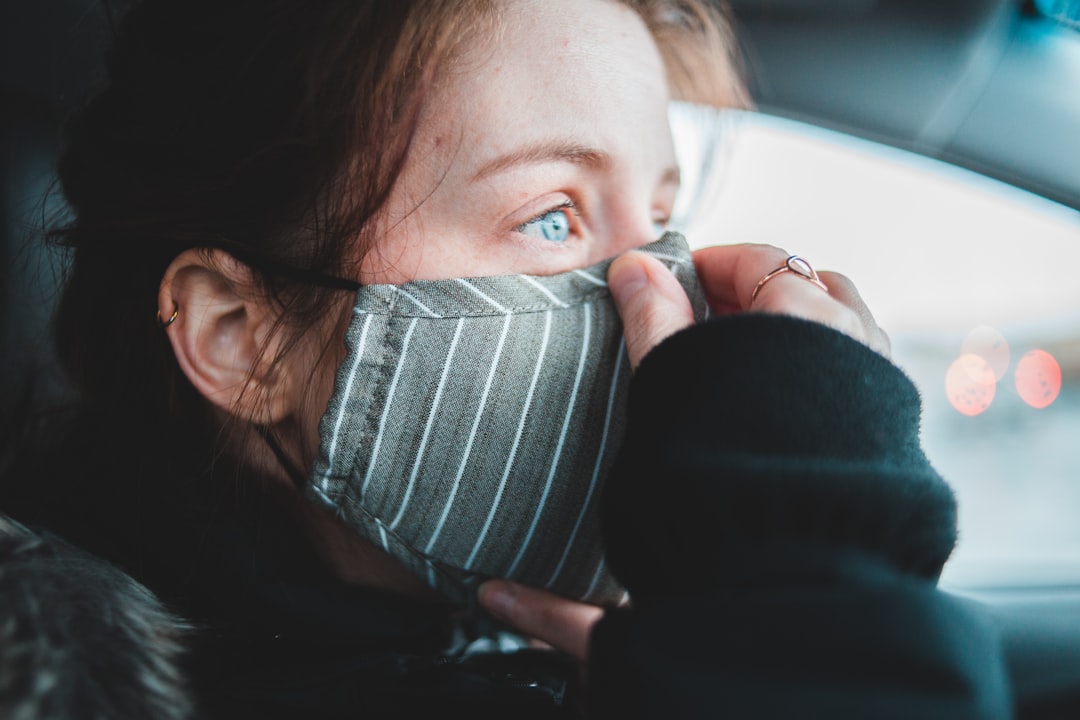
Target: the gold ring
(172, 318)
(794, 264)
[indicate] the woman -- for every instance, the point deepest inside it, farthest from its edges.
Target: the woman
(446, 186)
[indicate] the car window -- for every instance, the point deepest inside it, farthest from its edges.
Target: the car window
(976, 283)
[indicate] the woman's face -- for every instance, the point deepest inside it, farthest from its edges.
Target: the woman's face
(546, 149)
(542, 150)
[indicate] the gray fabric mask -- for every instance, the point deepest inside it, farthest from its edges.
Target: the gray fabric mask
(473, 422)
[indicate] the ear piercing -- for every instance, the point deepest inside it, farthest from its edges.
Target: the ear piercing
(172, 318)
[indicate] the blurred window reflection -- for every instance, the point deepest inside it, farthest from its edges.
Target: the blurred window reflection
(974, 281)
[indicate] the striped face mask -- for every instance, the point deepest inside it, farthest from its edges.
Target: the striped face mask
(473, 422)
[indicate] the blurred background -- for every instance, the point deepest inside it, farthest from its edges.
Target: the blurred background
(976, 284)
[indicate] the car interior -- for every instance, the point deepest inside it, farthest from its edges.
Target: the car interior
(930, 149)
(982, 92)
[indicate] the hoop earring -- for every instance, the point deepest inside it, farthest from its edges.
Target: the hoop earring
(172, 318)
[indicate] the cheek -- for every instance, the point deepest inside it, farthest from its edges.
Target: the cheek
(396, 256)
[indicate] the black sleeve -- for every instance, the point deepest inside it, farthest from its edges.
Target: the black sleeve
(781, 533)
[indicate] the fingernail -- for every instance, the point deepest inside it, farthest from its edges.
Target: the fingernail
(497, 596)
(626, 279)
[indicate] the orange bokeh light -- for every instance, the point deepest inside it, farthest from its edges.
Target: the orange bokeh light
(970, 384)
(1038, 378)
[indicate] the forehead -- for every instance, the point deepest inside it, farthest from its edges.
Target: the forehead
(580, 68)
(602, 39)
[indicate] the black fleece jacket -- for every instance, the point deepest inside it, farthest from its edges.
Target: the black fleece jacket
(781, 533)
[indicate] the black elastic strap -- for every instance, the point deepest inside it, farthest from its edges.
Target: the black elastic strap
(270, 266)
(298, 478)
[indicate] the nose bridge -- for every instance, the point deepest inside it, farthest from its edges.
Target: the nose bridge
(640, 186)
(627, 229)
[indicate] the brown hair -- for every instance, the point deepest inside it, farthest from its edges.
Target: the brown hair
(272, 129)
(697, 42)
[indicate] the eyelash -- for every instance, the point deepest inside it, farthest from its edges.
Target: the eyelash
(564, 205)
(660, 224)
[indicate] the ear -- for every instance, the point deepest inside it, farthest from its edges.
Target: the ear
(223, 334)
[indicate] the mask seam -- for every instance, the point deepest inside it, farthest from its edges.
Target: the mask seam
(370, 410)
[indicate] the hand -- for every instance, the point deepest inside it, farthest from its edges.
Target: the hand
(729, 274)
(651, 302)
(552, 619)
(653, 306)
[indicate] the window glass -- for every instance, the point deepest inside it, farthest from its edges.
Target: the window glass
(976, 284)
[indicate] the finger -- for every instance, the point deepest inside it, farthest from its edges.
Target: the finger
(651, 302)
(800, 297)
(729, 273)
(841, 288)
(844, 290)
(561, 623)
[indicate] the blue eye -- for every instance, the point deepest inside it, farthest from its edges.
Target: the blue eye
(554, 225)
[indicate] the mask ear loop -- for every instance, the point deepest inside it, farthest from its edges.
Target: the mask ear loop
(298, 478)
(302, 276)
(277, 268)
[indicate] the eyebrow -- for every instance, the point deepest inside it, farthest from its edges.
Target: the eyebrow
(558, 151)
(541, 152)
